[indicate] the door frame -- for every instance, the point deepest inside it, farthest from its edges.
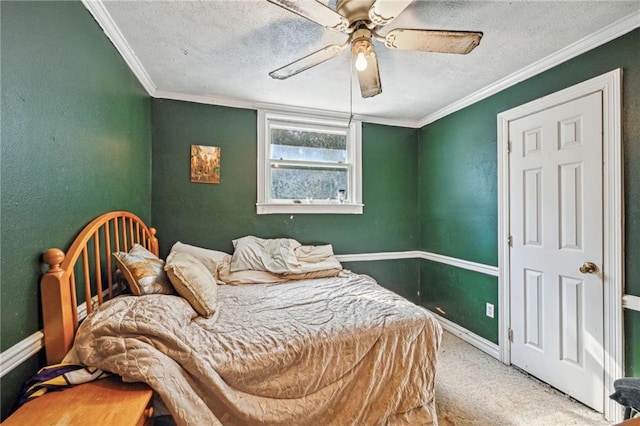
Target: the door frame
(610, 84)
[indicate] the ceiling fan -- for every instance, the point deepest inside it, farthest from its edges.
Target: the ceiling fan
(361, 20)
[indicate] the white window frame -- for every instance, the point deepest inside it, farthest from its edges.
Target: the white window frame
(265, 205)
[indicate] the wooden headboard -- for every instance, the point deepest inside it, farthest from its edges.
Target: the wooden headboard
(86, 269)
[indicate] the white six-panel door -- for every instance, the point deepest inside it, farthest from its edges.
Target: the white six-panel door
(556, 227)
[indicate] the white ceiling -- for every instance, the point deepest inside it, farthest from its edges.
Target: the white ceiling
(222, 51)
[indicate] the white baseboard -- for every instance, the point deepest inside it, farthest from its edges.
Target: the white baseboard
(473, 339)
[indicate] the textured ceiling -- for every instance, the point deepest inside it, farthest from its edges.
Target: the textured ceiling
(224, 50)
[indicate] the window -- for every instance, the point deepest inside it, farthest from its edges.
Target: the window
(308, 164)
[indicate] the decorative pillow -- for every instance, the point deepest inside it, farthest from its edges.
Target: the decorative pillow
(272, 255)
(209, 258)
(144, 271)
(138, 250)
(193, 281)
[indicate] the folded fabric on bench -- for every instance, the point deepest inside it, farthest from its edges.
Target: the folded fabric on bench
(57, 377)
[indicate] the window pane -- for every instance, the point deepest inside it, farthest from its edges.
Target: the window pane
(301, 183)
(308, 146)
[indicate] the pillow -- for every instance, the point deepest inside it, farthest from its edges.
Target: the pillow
(138, 250)
(144, 271)
(317, 259)
(193, 281)
(209, 258)
(225, 276)
(314, 254)
(311, 275)
(272, 255)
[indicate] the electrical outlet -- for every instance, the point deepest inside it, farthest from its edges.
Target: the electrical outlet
(489, 310)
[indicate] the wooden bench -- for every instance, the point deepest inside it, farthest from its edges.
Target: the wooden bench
(107, 401)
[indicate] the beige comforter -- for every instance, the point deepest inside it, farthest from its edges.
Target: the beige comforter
(337, 351)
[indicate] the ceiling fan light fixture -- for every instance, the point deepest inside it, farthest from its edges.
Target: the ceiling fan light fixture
(361, 62)
(361, 21)
(361, 48)
(383, 12)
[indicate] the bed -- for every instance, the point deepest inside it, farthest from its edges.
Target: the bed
(326, 348)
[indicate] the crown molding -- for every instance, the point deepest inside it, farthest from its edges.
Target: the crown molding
(608, 33)
(110, 28)
(102, 16)
(205, 99)
(239, 103)
(590, 42)
(341, 114)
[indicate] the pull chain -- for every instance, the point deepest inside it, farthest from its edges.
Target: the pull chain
(350, 89)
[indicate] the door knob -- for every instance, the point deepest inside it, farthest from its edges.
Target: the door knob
(588, 268)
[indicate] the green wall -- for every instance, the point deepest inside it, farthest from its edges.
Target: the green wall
(458, 187)
(76, 142)
(213, 215)
(632, 347)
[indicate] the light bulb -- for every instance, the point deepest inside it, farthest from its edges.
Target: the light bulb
(361, 62)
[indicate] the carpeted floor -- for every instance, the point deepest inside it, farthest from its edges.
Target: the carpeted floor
(472, 388)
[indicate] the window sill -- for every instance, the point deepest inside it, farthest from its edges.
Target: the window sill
(313, 208)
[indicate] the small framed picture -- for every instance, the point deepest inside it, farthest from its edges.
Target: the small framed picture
(205, 164)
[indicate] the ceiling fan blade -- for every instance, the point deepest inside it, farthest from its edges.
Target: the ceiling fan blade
(438, 41)
(307, 62)
(315, 12)
(369, 78)
(384, 11)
